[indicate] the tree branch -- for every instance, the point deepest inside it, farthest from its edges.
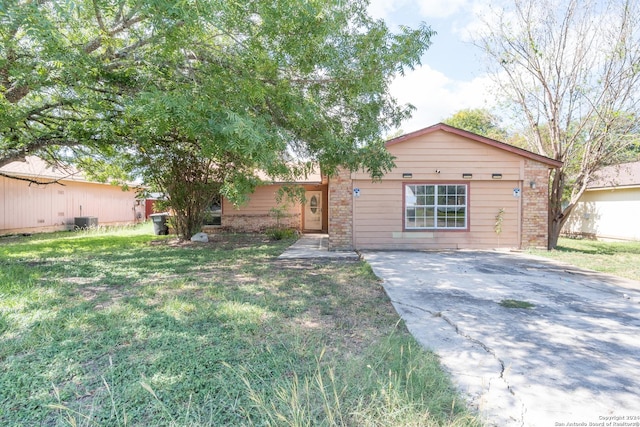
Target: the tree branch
(34, 181)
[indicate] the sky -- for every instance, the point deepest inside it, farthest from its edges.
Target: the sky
(452, 76)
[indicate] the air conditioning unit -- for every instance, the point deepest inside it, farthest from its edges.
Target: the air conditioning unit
(84, 222)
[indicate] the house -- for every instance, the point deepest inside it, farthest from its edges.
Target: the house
(44, 198)
(450, 189)
(259, 213)
(609, 208)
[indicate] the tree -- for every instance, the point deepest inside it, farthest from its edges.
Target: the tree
(65, 70)
(479, 121)
(258, 85)
(571, 71)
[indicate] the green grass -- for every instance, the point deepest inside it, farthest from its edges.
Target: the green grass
(617, 258)
(130, 329)
(514, 303)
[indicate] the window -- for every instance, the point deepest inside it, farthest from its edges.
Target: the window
(435, 206)
(212, 215)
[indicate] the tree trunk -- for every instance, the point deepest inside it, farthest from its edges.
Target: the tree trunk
(555, 208)
(554, 234)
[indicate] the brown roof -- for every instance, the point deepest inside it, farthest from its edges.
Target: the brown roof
(621, 175)
(478, 138)
(35, 168)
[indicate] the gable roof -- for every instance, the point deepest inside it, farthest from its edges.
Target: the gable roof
(477, 138)
(37, 169)
(615, 176)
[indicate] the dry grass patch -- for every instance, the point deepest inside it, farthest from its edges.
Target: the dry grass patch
(135, 330)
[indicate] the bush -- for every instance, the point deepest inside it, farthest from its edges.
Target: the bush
(278, 233)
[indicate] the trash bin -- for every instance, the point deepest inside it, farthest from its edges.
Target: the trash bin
(160, 226)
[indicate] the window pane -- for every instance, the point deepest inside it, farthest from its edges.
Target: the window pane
(435, 206)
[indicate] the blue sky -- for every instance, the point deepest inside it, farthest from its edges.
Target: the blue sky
(452, 76)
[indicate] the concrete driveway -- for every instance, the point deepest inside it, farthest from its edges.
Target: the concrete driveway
(572, 358)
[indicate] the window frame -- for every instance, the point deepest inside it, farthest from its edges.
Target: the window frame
(435, 228)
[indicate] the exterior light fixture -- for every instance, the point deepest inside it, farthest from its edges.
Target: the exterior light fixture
(496, 176)
(467, 175)
(407, 175)
(532, 184)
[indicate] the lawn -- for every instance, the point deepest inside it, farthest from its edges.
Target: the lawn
(618, 258)
(126, 328)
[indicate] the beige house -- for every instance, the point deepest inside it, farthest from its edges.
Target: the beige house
(26, 206)
(258, 213)
(450, 189)
(610, 206)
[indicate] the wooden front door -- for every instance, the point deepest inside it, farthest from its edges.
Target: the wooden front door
(313, 211)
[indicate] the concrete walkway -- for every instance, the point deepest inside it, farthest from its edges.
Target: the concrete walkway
(310, 246)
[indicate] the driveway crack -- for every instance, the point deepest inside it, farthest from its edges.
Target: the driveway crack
(459, 332)
(481, 344)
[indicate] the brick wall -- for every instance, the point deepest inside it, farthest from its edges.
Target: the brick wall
(253, 223)
(341, 211)
(535, 205)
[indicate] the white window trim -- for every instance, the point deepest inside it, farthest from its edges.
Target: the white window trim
(435, 206)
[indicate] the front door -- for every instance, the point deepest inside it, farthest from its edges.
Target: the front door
(313, 211)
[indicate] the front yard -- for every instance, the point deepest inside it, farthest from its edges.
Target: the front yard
(128, 328)
(617, 258)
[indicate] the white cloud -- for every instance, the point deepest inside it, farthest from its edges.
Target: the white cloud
(382, 9)
(442, 8)
(437, 97)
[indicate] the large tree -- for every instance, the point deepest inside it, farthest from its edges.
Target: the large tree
(571, 71)
(479, 121)
(257, 85)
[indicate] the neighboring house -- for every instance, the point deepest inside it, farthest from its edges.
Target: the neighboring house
(450, 189)
(27, 207)
(610, 206)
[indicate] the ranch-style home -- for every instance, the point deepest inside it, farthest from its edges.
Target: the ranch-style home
(450, 189)
(27, 207)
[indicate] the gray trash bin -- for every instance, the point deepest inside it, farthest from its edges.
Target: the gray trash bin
(160, 226)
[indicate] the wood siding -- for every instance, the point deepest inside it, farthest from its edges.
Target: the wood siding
(379, 218)
(31, 208)
(442, 158)
(260, 203)
(256, 214)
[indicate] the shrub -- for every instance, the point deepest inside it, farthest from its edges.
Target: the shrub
(278, 233)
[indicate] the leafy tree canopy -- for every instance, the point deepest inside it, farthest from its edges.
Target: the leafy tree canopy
(479, 121)
(255, 85)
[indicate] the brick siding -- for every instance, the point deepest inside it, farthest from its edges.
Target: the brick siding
(341, 211)
(535, 205)
(253, 223)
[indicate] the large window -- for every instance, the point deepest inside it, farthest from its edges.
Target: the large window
(435, 206)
